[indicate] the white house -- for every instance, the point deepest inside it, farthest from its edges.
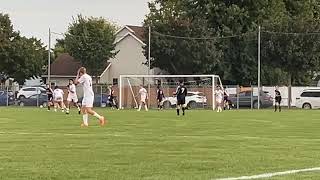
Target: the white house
(129, 60)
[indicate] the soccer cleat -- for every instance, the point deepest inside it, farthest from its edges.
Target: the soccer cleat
(102, 121)
(83, 125)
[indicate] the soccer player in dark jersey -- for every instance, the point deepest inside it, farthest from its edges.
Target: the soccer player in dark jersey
(278, 99)
(50, 96)
(112, 100)
(181, 94)
(160, 98)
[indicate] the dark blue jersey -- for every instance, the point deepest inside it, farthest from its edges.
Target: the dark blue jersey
(181, 92)
(160, 94)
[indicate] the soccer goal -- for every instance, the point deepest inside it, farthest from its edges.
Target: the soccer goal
(200, 88)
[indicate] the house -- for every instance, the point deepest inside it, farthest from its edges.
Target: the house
(64, 67)
(129, 60)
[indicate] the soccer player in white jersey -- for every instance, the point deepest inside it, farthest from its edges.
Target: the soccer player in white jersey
(72, 96)
(58, 99)
(88, 97)
(219, 98)
(143, 97)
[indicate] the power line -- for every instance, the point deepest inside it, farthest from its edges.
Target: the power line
(292, 33)
(90, 37)
(203, 38)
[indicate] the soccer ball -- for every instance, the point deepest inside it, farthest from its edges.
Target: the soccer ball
(41, 106)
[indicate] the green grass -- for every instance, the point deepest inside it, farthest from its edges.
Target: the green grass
(204, 145)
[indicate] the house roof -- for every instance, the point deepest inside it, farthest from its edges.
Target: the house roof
(138, 31)
(65, 65)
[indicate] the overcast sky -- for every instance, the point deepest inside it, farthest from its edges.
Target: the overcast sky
(34, 17)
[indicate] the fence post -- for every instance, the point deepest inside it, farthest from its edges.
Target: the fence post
(7, 96)
(101, 100)
(251, 98)
(238, 92)
(38, 96)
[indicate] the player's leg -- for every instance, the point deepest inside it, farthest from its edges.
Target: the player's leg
(178, 107)
(161, 105)
(75, 103)
(84, 117)
(55, 105)
(62, 106)
(95, 114)
(279, 104)
(145, 106)
(184, 106)
(115, 103)
(140, 104)
(68, 107)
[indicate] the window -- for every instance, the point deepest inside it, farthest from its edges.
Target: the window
(115, 81)
(310, 94)
(29, 89)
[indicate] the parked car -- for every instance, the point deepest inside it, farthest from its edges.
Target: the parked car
(309, 99)
(34, 100)
(97, 100)
(245, 99)
(26, 92)
(193, 100)
(4, 97)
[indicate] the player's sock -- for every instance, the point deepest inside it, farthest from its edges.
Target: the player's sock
(85, 119)
(279, 108)
(178, 112)
(183, 110)
(97, 115)
(146, 107)
(48, 107)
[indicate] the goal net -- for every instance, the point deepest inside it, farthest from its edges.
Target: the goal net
(200, 90)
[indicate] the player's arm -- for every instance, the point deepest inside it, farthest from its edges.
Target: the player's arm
(78, 78)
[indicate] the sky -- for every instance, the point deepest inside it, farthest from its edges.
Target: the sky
(34, 17)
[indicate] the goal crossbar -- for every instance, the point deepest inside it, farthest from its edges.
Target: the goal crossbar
(169, 76)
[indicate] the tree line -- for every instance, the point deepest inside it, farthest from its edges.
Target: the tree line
(190, 37)
(290, 50)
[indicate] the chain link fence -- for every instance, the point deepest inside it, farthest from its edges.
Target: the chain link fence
(199, 96)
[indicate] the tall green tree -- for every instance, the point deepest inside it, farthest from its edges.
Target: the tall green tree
(286, 58)
(91, 40)
(21, 58)
(179, 55)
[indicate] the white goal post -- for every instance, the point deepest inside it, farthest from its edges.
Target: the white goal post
(124, 81)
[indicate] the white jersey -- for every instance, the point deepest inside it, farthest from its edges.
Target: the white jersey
(219, 95)
(143, 93)
(58, 93)
(86, 82)
(72, 90)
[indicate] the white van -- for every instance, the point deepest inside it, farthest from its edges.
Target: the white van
(309, 99)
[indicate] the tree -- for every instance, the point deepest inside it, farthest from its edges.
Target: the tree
(59, 48)
(179, 55)
(91, 40)
(21, 58)
(293, 57)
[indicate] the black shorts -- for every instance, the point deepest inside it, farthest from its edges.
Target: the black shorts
(278, 99)
(181, 101)
(159, 99)
(50, 97)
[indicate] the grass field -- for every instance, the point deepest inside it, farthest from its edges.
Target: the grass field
(204, 145)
